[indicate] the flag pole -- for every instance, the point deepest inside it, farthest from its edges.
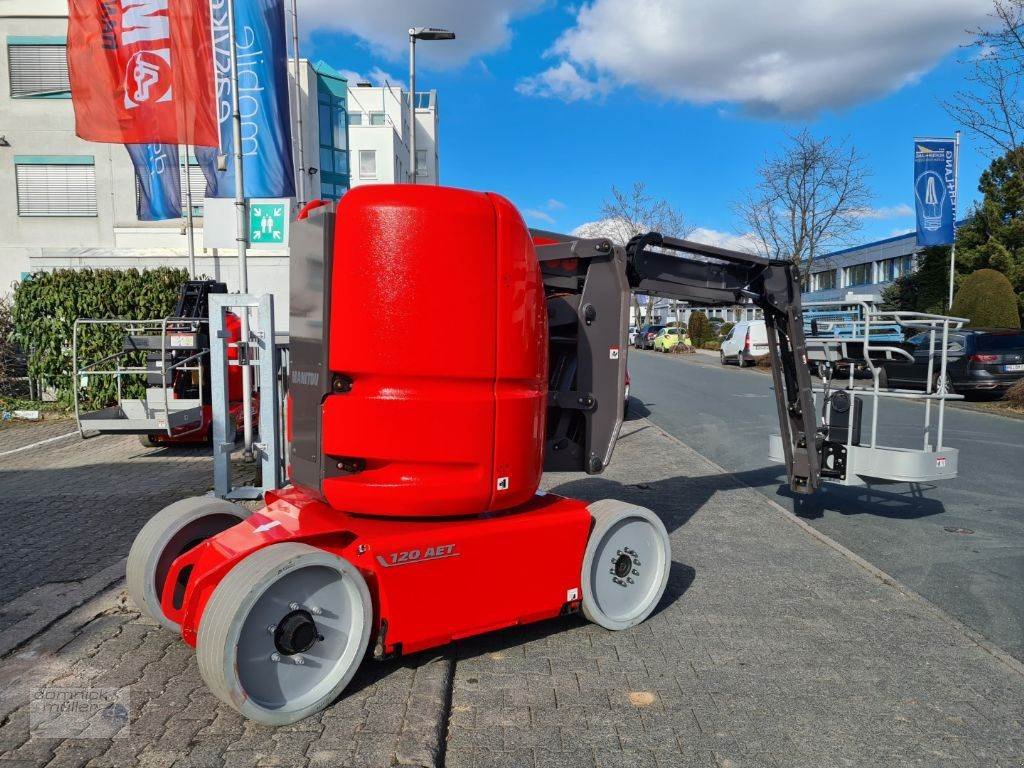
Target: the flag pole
(956, 187)
(241, 235)
(301, 188)
(189, 219)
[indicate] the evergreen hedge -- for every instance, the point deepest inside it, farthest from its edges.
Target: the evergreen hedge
(46, 305)
(699, 328)
(988, 299)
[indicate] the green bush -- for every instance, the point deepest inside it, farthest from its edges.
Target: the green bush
(712, 345)
(9, 357)
(987, 298)
(726, 329)
(46, 305)
(699, 328)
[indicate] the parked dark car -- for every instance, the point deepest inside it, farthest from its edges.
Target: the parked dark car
(645, 337)
(979, 360)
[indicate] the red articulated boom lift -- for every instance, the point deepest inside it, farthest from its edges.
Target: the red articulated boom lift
(413, 517)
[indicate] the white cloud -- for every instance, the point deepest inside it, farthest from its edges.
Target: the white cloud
(554, 205)
(773, 59)
(901, 231)
(533, 214)
(900, 211)
(561, 82)
(480, 26)
(377, 76)
(747, 243)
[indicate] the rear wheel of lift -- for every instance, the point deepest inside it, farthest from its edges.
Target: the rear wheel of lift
(170, 533)
(147, 441)
(626, 565)
(284, 632)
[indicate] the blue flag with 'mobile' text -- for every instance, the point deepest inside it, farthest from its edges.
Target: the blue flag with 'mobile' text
(156, 169)
(262, 55)
(935, 190)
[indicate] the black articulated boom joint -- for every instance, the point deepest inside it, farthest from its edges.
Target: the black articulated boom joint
(587, 283)
(705, 274)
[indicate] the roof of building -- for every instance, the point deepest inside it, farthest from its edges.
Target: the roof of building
(873, 244)
(323, 68)
(877, 243)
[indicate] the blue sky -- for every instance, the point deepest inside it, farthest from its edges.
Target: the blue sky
(640, 103)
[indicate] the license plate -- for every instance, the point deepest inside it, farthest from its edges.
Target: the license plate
(1015, 367)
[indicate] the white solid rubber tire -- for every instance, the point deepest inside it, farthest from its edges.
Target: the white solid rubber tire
(606, 514)
(160, 531)
(229, 606)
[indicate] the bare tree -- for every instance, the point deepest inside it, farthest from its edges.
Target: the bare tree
(812, 195)
(992, 107)
(627, 214)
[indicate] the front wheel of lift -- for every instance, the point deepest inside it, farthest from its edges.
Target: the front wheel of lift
(170, 533)
(284, 632)
(626, 565)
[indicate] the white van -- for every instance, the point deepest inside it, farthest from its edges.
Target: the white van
(747, 341)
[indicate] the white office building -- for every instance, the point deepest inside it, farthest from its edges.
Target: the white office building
(378, 130)
(65, 202)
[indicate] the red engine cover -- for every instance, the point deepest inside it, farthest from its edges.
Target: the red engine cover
(438, 317)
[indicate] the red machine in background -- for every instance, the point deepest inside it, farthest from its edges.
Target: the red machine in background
(413, 517)
(175, 408)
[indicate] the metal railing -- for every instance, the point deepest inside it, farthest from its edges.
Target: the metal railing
(164, 328)
(858, 336)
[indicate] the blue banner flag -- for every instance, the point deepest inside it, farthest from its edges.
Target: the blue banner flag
(262, 54)
(156, 168)
(935, 190)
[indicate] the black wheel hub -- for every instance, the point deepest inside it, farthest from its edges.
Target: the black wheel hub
(296, 633)
(623, 565)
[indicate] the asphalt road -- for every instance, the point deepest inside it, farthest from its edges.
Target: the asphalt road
(959, 543)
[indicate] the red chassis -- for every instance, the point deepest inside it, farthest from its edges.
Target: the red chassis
(431, 580)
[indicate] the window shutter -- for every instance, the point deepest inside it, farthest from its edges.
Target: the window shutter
(195, 173)
(38, 70)
(56, 190)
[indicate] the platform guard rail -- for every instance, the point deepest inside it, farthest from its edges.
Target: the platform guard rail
(159, 410)
(862, 462)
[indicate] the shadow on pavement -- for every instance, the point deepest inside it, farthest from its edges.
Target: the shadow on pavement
(907, 504)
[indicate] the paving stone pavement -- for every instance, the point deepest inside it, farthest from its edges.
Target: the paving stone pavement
(770, 649)
(72, 507)
(18, 434)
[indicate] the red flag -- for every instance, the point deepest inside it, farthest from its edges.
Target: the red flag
(142, 71)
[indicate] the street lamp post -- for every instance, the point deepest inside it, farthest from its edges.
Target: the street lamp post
(418, 33)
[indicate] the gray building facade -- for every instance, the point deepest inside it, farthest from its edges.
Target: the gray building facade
(864, 269)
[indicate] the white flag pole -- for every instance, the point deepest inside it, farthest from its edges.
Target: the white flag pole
(189, 219)
(956, 187)
(241, 234)
(300, 190)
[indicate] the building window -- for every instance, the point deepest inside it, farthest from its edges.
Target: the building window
(38, 68)
(333, 118)
(376, 118)
(355, 118)
(56, 186)
(858, 274)
(367, 163)
(197, 181)
(421, 162)
(890, 269)
(823, 281)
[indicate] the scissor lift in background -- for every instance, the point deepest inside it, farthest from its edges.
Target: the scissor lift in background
(853, 335)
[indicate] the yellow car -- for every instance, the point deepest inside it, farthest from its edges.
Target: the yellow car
(668, 338)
